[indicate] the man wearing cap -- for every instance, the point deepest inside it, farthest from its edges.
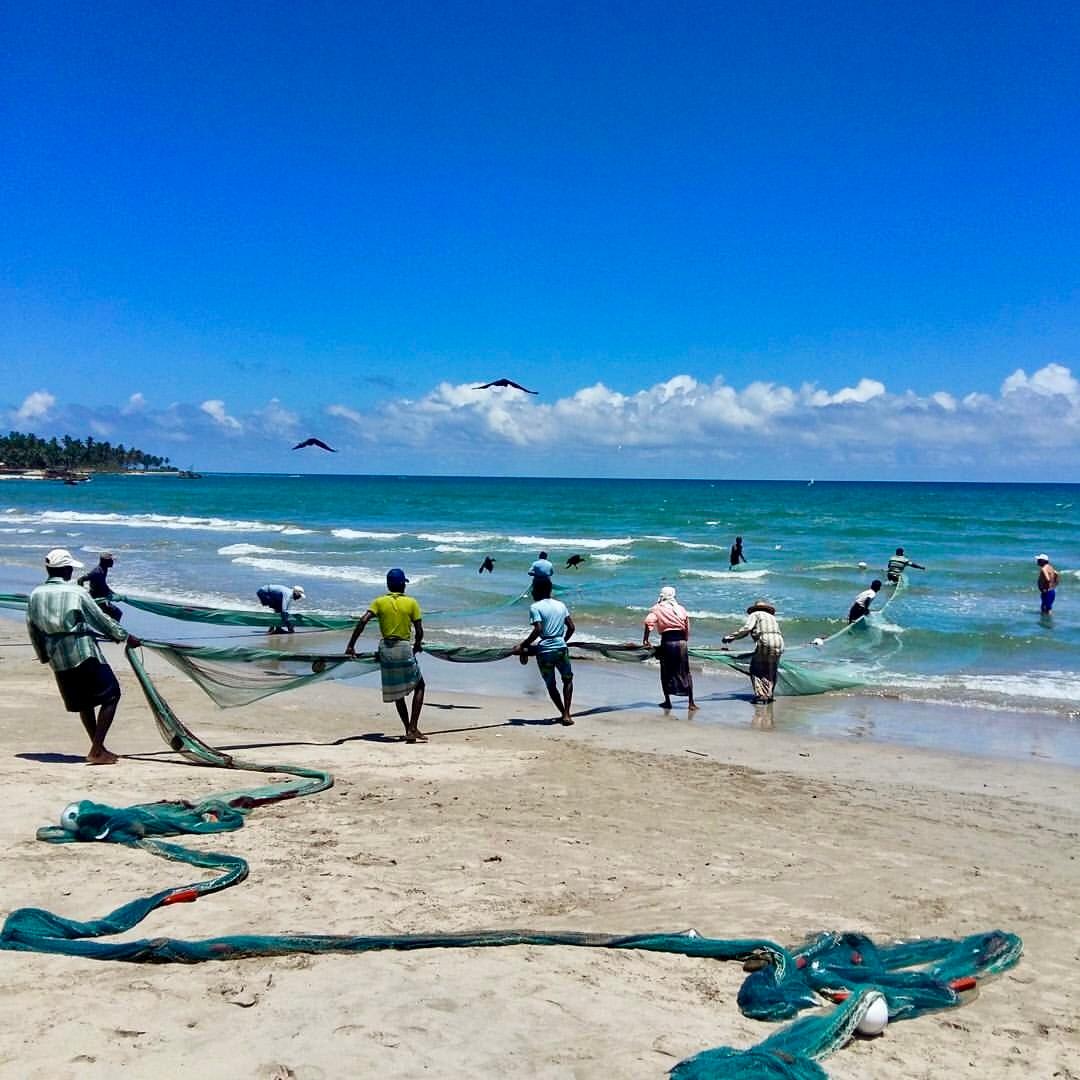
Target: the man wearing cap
(398, 616)
(97, 581)
(1048, 583)
(279, 598)
(63, 621)
(762, 626)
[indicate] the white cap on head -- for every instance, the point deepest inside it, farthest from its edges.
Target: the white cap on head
(1042, 558)
(298, 592)
(58, 558)
(667, 592)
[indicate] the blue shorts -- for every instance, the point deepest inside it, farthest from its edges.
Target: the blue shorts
(551, 660)
(1048, 599)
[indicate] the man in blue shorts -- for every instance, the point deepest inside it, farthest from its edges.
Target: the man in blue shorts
(552, 628)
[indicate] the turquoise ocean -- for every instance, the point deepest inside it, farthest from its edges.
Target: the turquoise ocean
(966, 632)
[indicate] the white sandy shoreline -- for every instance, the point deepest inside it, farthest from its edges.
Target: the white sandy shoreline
(609, 826)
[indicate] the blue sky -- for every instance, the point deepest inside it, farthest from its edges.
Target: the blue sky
(265, 221)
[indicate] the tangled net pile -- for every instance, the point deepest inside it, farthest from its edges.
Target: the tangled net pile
(847, 969)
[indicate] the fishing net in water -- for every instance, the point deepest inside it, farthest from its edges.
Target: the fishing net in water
(313, 620)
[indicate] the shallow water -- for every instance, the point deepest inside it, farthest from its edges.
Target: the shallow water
(967, 630)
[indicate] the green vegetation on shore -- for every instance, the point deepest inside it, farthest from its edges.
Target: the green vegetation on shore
(19, 451)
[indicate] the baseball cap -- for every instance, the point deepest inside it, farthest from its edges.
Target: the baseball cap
(1042, 558)
(58, 558)
(298, 591)
(396, 579)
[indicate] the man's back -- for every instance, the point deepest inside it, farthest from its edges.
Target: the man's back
(551, 614)
(396, 613)
(542, 568)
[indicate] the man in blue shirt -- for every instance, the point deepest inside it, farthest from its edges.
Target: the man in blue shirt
(552, 628)
(542, 567)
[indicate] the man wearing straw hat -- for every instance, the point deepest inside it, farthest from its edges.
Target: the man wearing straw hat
(762, 626)
(63, 620)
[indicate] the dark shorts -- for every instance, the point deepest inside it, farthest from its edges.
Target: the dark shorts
(90, 684)
(1048, 600)
(551, 660)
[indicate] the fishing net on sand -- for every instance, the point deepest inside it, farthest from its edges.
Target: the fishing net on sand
(848, 972)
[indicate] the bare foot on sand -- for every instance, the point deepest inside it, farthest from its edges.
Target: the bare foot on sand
(102, 757)
(692, 707)
(415, 736)
(566, 721)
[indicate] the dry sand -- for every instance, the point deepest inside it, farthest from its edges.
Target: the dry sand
(502, 821)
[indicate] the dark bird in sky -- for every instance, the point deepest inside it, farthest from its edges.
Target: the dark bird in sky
(574, 561)
(505, 382)
(488, 564)
(314, 442)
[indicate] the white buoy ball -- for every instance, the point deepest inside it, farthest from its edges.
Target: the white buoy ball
(876, 1017)
(862, 566)
(69, 817)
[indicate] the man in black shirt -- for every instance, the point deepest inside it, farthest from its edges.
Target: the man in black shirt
(98, 582)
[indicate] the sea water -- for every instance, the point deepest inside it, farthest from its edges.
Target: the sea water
(966, 631)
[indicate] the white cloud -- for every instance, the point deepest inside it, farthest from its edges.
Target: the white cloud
(35, 406)
(275, 419)
(215, 409)
(1054, 380)
(135, 404)
(345, 413)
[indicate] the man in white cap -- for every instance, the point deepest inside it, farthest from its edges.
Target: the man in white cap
(63, 621)
(279, 598)
(1048, 583)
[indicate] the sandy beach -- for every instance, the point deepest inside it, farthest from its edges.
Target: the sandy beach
(627, 822)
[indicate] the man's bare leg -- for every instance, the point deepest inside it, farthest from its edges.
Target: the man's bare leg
(97, 729)
(417, 705)
(556, 697)
(403, 714)
(568, 697)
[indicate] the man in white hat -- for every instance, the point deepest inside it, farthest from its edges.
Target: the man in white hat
(63, 621)
(279, 598)
(1048, 583)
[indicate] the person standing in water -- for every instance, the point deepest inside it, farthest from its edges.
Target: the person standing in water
(898, 564)
(399, 616)
(1047, 582)
(762, 626)
(543, 567)
(736, 555)
(669, 617)
(861, 605)
(97, 581)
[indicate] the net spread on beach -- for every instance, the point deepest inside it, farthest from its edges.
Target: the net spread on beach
(239, 675)
(848, 970)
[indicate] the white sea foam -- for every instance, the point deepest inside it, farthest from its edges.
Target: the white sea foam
(571, 542)
(608, 558)
(246, 549)
(1042, 686)
(295, 530)
(363, 575)
(164, 521)
(726, 575)
(456, 537)
(455, 548)
(364, 534)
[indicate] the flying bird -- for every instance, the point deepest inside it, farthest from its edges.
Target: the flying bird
(488, 564)
(574, 561)
(314, 442)
(505, 382)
